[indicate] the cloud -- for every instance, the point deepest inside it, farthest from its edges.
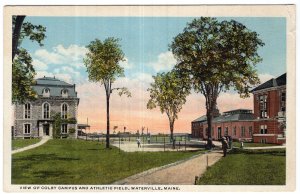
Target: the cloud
(39, 65)
(265, 77)
(72, 55)
(165, 62)
(126, 64)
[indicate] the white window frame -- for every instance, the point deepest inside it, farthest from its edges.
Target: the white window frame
(61, 110)
(24, 128)
(263, 129)
(43, 116)
(62, 130)
(243, 131)
(65, 95)
(30, 111)
(46, 94)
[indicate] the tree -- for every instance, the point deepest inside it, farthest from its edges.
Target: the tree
(169, 92)
(102, 62)
(217, 56)
(22, 69)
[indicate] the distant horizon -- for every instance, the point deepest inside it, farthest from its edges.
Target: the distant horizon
(144, 40)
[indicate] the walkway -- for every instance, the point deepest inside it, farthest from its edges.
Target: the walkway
(44, 140)
(179, 173)
(264, 148)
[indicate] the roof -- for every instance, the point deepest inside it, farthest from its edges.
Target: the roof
(54, 85)
(279, 81)
(200, 119)
(233, 115)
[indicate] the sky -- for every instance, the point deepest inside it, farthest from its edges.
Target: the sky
(144, 41)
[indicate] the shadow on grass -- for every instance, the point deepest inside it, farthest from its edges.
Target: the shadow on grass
(273, 152)
(43, 157)
(50, 174)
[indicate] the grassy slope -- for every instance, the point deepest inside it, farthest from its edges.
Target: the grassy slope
(264, 167)
(83, 162)
(20, 143)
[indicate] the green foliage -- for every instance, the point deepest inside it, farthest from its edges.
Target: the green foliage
(169, 92)
(218, 55)
(102, 60)
(57, 122)
(102, 63)
(23, 77)
(72, 130)
(22, 69)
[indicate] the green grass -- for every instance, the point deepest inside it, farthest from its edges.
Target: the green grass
(248, 167)
(247, 144)
(20, 143)
(84, 162)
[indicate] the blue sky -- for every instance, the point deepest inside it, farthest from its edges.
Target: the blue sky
(144, 41)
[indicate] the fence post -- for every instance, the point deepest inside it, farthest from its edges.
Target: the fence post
(85, 137)
(164, 143)
(119, 144)
(184, 144)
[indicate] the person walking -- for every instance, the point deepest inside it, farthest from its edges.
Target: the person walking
(224, 146)
(138, 141)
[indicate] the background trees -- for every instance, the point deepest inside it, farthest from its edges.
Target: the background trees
(22, 70)
(102, 63)
(216, 56)
(169, 92)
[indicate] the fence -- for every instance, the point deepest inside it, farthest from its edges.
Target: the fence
(180, 142)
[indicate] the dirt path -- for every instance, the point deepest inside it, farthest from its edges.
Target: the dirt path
(178, 174)
(44, 140)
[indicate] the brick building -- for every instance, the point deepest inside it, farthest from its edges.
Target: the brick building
(269, 101)
(235, 123)
(265, 125)
(34, 118)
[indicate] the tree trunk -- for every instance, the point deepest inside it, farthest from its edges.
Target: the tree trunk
(210, 108)
(16, 35)
(171, 133)
(209, 123)
(107, 121)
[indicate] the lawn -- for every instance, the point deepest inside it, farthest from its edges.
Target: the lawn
(248, 167)
(20, 143)
(249, 144)
(84, 162)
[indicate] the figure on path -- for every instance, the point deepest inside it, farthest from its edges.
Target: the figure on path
(224, 146)
(138, 141)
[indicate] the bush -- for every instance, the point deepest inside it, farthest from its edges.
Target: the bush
(71, 131)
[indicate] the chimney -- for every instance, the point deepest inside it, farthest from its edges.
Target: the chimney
(274, 82)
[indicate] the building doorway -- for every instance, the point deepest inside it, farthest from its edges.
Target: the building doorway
(46, 129)
(219, 132)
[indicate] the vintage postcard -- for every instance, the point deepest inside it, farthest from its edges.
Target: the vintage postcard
(149, 98)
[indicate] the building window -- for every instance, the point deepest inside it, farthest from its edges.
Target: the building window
(64, 128)
(226, 131)
(206, 130)
(46, 111)
(243, 131)
(263, 141)
(250, 131)
(263, 106)
(27, 111)
(263, 129)
(282, 103)
(64, 111)
(64, 93)
(234, 131)
(212, 131)
(26, 128)
(46, 92)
